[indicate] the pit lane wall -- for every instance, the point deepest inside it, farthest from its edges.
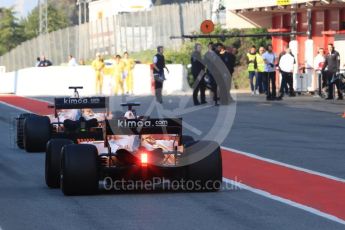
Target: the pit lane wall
(55, 80)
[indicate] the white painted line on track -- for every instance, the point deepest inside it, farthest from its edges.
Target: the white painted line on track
(285, 201)
(284, 164)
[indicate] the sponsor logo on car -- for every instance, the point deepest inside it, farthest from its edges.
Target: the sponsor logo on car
(81, 101)
(161, 123)
(140, 124)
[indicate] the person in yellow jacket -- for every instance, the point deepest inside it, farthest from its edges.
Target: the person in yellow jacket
(129, 66)
(252, 67)
(98, 65)
(261, 86)
(119, 76)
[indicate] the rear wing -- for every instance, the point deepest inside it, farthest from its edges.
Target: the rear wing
(148, 126)
(80, 103)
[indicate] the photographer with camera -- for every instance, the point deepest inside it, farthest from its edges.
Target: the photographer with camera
(158, 73)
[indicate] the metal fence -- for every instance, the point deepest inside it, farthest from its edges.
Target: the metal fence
(130, 32)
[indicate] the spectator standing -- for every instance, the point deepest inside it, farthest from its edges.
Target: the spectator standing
(319, 62)
(331, 68)
(261, 70)
(229, 60)
(286, 66)
(252, 67)
(129, 65)
(158, 73)
(119, 74)
(98, 65)
(270, 58)
(209, 58)
(198, 72)
(38, 60)
(44, 62)
(72, 61)
(283, 84)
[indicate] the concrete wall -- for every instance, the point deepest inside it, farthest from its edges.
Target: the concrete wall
(55, 81)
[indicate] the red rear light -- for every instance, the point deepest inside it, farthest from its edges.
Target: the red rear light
(144, 159)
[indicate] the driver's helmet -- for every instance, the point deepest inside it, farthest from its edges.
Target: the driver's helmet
(129, 115)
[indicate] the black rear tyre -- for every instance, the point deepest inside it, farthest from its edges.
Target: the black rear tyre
(79, 169)
(20, 128)
(206, 173)
(53, 161)
(36, 133)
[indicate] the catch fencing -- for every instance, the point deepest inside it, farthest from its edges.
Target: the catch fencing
(132, 32)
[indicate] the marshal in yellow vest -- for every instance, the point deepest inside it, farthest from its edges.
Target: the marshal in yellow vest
(251, 59)
(261, 63)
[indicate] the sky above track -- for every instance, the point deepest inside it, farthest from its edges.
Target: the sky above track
(22, 7)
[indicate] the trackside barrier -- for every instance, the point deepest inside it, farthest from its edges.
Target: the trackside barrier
(54, 81)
